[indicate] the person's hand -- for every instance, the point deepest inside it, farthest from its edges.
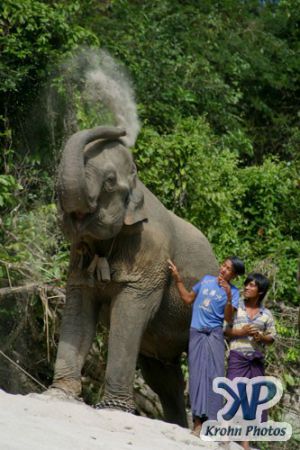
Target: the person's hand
(225, 285)
(248, 330)
(258, 336)
(174, 271)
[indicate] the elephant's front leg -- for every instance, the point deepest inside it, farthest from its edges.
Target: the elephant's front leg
(130, 314)
(76, 335)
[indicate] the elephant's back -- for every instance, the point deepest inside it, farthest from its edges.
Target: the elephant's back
(191, 250)
(193, 254)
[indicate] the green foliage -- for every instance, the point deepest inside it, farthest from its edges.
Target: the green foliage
(8, 188)
(288, 335)
(270, 207)
(32, 248)
(268, 186)
(35, 36)
(34, 33)
(205, 187)
(233, 61)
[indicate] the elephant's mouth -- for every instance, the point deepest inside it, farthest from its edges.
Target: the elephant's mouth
(80, 220)
(79, 216)
(94, 225)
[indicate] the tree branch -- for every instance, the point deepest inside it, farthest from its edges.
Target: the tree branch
(31, 288)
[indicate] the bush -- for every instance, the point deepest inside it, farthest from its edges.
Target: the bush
(32, 248)
(8, 188)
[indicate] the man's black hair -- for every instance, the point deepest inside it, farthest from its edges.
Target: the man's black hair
(261, 282)
(237, 264)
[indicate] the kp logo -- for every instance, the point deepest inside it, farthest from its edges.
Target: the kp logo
(241, 416)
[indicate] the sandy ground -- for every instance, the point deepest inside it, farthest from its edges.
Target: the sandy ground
(39, 422)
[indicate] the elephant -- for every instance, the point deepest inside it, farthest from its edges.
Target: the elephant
(121, 238)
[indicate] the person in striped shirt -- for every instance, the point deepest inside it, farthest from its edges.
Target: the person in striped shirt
(252, 329)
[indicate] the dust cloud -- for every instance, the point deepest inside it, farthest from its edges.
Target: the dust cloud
(96, 90)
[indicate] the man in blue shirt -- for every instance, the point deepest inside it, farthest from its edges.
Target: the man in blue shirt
(214, 299)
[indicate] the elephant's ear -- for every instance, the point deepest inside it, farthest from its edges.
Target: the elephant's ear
(135, 210)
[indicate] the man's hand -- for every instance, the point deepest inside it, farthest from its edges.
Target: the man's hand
(187, 297)
(248, 330)
(225, 285)
(258, 336)
(174, 271)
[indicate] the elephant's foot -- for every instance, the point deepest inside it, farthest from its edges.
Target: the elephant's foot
(65, 389)
(57, 393)
(114, 402)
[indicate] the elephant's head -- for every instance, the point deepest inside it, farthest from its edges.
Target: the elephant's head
(96, 186)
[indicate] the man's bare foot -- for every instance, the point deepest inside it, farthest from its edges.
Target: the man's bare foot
(197, 427)
(196, 431)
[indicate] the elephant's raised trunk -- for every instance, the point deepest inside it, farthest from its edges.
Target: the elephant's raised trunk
(72, 186)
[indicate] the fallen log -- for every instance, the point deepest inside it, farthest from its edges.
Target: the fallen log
(31, 288)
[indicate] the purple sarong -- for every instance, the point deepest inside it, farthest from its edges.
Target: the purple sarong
(249, 366)
(206, 362)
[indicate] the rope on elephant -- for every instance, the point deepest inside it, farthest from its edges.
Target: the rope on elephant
(21, 369)
(112, 402)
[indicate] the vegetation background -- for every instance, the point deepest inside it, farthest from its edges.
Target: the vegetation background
(218, 90)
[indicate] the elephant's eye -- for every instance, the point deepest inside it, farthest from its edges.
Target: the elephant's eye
(127, 199)
(110, 182)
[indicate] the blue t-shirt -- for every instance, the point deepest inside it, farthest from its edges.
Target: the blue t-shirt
(209, 305)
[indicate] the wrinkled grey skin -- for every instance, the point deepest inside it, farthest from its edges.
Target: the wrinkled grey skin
(108, 212)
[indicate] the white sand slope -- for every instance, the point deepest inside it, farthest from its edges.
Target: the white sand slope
(39, 422)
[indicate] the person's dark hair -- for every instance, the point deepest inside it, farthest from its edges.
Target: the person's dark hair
(261, 282)
(237, 264)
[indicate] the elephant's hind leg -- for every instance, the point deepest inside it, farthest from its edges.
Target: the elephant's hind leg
(166, 380)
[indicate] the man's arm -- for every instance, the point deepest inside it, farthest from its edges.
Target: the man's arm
(229, 312)
(229, 309)
(249, 330)
(188, 297)
(268, 337)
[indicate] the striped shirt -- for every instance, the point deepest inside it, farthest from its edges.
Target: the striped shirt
(263, 321)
